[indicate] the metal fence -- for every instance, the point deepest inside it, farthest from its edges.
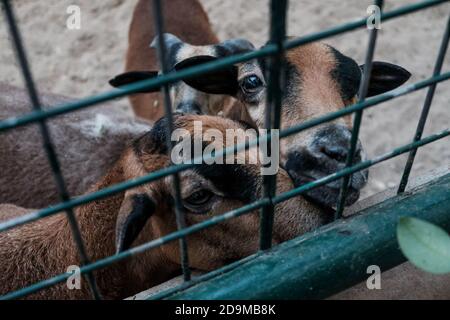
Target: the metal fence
(274, 52)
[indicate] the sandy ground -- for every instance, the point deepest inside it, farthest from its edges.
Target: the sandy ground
(79, 63)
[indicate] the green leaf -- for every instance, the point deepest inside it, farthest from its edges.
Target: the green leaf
(427, 246)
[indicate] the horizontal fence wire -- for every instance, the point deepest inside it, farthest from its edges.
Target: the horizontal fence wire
(48, 144)
(272, 49)
(362, 93)
(227, 216)
(426, 107)
(179, 210)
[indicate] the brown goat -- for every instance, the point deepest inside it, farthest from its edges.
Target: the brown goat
(405, 282)
(319, 80)
(44, 248)
(87, 143)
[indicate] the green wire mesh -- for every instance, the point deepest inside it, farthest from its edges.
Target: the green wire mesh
(274, 50)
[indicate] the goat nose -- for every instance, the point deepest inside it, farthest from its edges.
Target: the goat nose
(337, 153)
(189, 107)
(326, 154)
(334, 143)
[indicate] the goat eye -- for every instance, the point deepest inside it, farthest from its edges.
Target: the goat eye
(199, 198)
(251, 84)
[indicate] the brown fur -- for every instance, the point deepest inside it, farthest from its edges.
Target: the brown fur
(317, 94)
(312, 89)
(84, 152)
(312, 95)
(316, 64)
(320, 80)
(184, 18)
(44, 248)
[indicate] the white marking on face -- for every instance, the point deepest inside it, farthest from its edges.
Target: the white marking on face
(103, 125)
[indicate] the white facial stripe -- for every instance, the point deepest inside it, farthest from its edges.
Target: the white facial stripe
(187, 93)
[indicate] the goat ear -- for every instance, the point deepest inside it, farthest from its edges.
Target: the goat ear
(385, 77)
(134, 212)
(223, 81)
(132, 77)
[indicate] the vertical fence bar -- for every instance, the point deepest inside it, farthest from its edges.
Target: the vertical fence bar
(362, 93)
(426, 108)
(276, 76)
(47, 142)
(179, 210)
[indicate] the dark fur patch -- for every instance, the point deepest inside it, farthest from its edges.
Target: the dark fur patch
(234, 180)
(347, 74)
(225, 51)
(292, 81)
(221, 51)
(172, 54)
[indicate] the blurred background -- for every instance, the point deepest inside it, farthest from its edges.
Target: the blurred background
(79, 63)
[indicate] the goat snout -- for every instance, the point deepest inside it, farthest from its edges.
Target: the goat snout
(324, 155)
(190, 107)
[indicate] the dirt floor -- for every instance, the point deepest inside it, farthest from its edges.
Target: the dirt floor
(78, 63)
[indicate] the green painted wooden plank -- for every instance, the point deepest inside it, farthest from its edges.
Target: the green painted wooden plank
(333, 257)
